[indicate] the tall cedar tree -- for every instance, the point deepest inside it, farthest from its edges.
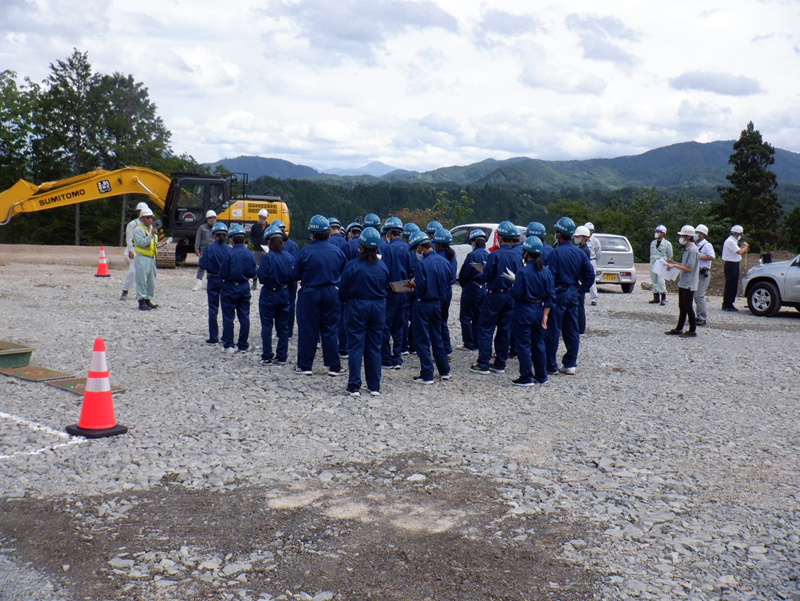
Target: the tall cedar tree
(750, 200)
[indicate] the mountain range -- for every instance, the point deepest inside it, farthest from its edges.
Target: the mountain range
(688, 164)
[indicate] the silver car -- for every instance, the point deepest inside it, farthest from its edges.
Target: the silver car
(615, 264)
(770, 286)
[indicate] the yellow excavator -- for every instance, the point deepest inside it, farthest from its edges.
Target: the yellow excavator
(184, 199)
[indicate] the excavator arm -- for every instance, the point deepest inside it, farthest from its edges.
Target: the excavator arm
(25, 197)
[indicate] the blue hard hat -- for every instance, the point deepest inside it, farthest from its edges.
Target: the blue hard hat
(318, 224)
(409, 228)
(219, 227)
(279, 223)
(535, 229)
(416, 238)
(533, 244)
(354, 226)
(507, 229)
(273, 230)
(442, 236)
(393, 223)
(370, 238)
(383, 229)
(334, 221)
(432, 227)
(565, 226)
(236, 230)
(477, 233)
(371, 220)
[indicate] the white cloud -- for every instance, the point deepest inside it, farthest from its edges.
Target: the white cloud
(601, 38)
(717, 83)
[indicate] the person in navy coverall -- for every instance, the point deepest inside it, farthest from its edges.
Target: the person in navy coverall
(441, 243)
(291, 247)
(362, 289)
(497, 306)
(472, 291)
(275, 275)
(431, 279)
(394, 254)
(408, 339)
(353, 233)
(236, 270)
(572, 272)
(210, 262)
(337, 239)
(318, 269)
(534, 295)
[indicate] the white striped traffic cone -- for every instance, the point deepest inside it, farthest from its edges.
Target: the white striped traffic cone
(102, 265)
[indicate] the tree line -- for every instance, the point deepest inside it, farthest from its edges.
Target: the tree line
(77, 120)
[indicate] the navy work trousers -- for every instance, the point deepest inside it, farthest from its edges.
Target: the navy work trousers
(317, 319)
(426, 327)
(365, 322)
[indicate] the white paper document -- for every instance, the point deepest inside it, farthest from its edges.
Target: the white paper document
(660, 268)
(477, 267)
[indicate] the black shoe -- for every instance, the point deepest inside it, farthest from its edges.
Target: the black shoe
(522, 382)
(266, 362)
(212, 342)
(734, 309)
(700, 323)
(336, 370)
(655, 300)
(150, 303)
(143, 306)
(688, 334)
(124, 295)
(674, 332)
(353, 390)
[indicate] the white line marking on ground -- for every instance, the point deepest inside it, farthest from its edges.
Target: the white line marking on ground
(39, 428)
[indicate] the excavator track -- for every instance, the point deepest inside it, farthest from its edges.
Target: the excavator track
(165, 259)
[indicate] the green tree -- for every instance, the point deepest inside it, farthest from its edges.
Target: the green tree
(453, 211)
(15, 116)
(750, 200)
(792, 229)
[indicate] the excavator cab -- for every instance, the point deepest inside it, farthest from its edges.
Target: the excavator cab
(190, 196)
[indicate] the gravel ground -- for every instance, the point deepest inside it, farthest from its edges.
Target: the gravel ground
(665, 469)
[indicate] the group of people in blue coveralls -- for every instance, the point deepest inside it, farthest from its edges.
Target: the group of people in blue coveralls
(372, 297)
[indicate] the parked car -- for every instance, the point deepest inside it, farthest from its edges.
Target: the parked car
(770, 286)
(460, 234)
(615, 265)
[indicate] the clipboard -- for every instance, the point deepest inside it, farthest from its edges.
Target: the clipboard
(401, 286)
(477, 267)
(265, 248)
(660, 269)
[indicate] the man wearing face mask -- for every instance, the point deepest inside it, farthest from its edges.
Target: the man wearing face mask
(660, 248)
(705, 256)
(581, 239)
(687, 283)
(732, 255)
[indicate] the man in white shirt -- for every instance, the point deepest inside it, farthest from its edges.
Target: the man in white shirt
(595, 250)
(732, 255)
(705, 256)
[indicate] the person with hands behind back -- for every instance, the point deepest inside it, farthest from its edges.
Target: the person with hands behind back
(687, 283)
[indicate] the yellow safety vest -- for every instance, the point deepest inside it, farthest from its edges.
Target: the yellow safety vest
(152, 249)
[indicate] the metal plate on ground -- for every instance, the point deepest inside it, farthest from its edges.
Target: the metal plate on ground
(78, 386)
(34, 373)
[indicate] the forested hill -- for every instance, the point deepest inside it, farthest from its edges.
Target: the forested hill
(686, 165)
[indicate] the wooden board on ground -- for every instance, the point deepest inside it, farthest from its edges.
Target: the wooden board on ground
(34, 373)
(78, 386)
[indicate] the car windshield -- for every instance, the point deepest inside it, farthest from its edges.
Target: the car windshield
(614, 244)
(461, 233)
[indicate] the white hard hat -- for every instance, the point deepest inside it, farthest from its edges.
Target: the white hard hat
(210, 214)
(701, 229)
(263, 213)
(686, 230)
(737, 229)
(661, 229)
(142, 206)
(146, 212)
(589, 226)
(582, 230)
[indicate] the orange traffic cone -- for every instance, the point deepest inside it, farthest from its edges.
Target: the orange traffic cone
(102, 265)
(97, 412)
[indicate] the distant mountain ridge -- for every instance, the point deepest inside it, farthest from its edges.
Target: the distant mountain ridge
(679, 165)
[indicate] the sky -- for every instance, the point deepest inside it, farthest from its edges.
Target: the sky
(432, 83)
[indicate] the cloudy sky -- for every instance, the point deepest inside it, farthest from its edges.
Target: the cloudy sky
(430, 83)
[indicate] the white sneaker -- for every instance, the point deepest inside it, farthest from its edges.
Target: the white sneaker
(374, 393)
(421, 380)
(198, 286)
(570, 371)
(229, 350)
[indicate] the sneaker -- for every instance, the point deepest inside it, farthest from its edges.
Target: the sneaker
(353, 391)
(734, 309)
(496, 369)
(143, 306)
(552, 373)
(374, 393)
(230, 350)
(674, 332)
(480, 369)
(150, 303)
(266, 362)
(421, 380)
(396, 367)
(594, 303)
(405, 353)
(243, 350)
(570, 371)
(688, 334)
(461, 347)
(303, 372)
(211, 342)
(344, 356)
(124, 295)
(445, 376)
(700, 323)
(279, 362)
(522, 382)
(384, 366)
(337, 370)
